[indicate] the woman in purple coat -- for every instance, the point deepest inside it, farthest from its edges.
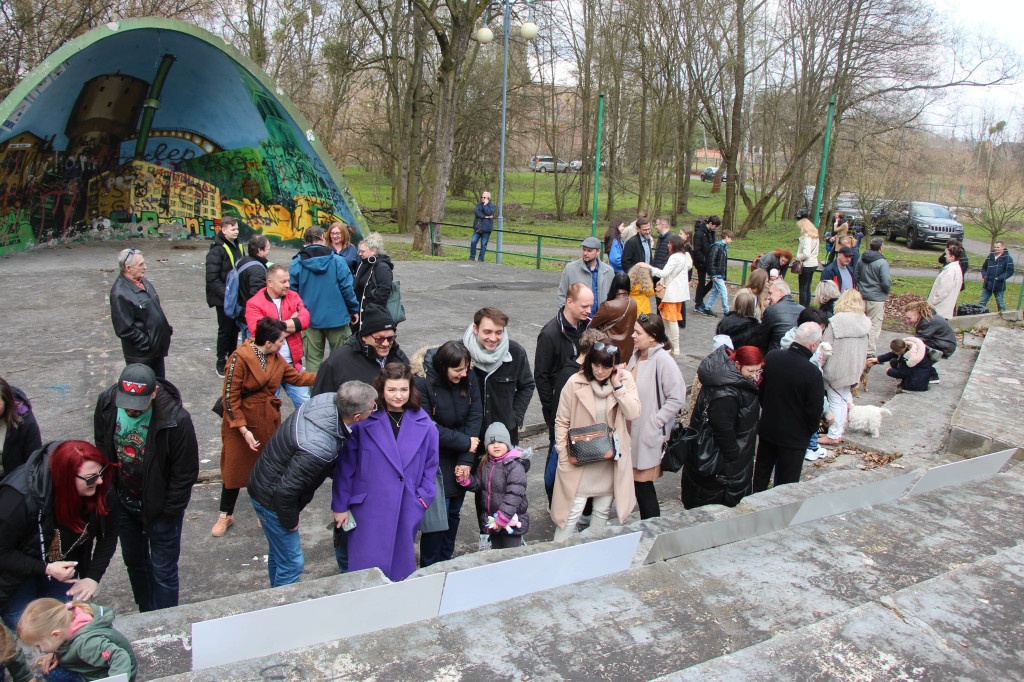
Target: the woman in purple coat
(385, 477)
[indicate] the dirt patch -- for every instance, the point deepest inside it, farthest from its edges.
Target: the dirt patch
(894, 306)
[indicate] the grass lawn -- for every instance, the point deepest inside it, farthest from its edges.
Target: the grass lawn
(972, 231)
(530, 207)
(971, 294)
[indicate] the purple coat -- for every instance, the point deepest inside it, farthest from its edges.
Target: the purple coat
(387, 486)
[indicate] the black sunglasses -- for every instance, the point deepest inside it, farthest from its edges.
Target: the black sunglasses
(91, 480)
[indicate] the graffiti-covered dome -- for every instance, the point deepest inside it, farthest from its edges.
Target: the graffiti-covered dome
(156, 126)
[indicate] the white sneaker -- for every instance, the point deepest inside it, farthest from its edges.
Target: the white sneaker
(812, 455)
(821, 452)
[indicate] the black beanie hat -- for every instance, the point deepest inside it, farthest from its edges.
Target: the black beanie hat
(375, 319)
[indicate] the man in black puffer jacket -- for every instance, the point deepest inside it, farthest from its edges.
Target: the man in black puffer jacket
(781, 314)
(362, 357)
(295, 462)
(792, 395)
(221, 259)
(703, 238)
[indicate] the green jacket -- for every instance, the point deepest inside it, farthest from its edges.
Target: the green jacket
(16, 666)
(97, 650)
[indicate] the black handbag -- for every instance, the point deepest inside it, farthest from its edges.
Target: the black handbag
(703, 456)
(677, 447)
(589, 444)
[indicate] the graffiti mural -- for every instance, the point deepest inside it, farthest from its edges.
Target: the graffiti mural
(155, 127)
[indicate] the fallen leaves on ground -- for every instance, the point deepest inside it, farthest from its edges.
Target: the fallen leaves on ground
(870, 459)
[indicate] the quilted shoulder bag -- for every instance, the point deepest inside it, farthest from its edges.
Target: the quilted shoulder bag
(594, 443)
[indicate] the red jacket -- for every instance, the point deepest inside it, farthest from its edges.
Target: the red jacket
(292, 308)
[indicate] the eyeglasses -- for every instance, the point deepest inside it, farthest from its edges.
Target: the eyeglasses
(128, 254)
(91, 480)
(383, 340)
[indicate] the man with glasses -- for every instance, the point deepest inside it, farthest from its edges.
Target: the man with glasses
(483, 223)
(362, 357)
(138, 319)
(142, 427)
(639, 247)
(295, 462)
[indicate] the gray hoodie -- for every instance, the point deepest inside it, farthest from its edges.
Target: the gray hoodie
(872, 276)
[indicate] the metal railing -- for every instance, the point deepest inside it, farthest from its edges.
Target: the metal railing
(539, 257)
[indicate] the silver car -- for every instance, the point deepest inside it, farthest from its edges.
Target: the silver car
(548, 164)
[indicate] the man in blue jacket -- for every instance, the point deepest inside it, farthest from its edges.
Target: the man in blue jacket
(483, 223)
(841, 271)
(324, 283)
(718, 268)
(998, 268)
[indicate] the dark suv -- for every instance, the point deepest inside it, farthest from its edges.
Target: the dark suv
(920, 223)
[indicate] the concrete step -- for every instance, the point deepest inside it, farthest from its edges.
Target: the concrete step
(987, 417)
(965, 624)
(663, 618)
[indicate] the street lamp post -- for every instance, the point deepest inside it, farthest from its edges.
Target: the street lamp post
(484, 35)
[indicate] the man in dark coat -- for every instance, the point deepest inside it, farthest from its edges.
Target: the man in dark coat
(703, 238)
(224, 253)
(998, 268)
(781, 314)
(639, 248)
(792, 393)
(252, 278)
(142, 427)
(295, 462)
(660, 256)
(483, 223)
(363, 356)
(138, 319)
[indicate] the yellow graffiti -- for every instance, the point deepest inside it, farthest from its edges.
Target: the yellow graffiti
(273, 220)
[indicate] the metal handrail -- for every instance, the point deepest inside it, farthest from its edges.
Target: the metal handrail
(539, 257)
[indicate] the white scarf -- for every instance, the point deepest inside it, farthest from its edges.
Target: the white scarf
(486, 360)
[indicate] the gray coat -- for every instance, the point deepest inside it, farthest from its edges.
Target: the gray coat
(872, 275)
(577, 271)
(658, 373)
(847, 333)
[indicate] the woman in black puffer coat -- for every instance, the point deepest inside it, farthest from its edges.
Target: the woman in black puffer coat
(451, 397)
(728, 400)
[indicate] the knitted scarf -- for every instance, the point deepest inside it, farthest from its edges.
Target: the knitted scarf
(488, 361)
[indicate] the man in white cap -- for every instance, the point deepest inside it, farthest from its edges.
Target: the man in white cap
(589, 270)
(142, 427)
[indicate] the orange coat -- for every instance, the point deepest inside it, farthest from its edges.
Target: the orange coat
(259, 412)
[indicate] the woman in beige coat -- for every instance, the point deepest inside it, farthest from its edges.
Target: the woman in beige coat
(601, 393)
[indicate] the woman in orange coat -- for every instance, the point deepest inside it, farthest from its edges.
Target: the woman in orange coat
(252, 411)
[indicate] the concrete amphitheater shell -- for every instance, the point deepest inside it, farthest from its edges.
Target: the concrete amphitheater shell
(155, 127)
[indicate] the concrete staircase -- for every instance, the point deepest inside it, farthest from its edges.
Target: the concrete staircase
(928, 587)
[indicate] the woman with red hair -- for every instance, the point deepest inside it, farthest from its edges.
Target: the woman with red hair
(58, 526)
(722, 468)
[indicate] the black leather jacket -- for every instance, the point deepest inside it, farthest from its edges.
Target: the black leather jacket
(779, 318)
(139, 320)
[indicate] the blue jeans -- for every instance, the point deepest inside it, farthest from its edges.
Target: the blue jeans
(482, 238)
(34, 588)
(550, 468)
(285, 562)
(440, 546)
(986, 294)
(150, 554)
(298, 394)
(718, 290)
(243, 328)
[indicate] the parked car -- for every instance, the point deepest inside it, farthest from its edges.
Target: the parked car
(577, 165)
(708, 174)
(548, 164)
(850, 207)
(918, 222)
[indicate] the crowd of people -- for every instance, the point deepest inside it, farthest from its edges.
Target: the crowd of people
(405, 440)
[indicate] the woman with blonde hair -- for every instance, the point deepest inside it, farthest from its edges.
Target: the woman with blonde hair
(847, 334)
(806, 255)
(757, 284)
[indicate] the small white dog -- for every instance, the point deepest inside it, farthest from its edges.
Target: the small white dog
(867, 418)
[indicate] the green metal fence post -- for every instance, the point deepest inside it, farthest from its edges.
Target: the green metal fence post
(824, 163)
(597, 162)
(743, 274)
(432, 248)
(540, 240)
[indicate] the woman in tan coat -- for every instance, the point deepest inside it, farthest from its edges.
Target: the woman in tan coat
(252, 412)
(601, 393)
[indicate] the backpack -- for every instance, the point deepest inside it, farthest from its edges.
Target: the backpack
(231, 306)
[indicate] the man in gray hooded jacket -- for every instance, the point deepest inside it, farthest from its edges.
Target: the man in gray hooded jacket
(874, 283)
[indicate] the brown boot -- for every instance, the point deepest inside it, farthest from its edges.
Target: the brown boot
(223, 523)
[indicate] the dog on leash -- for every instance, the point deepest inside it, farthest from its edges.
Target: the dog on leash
(867, 418)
